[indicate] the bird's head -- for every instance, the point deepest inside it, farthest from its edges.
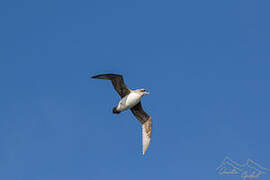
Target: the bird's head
(142, 91)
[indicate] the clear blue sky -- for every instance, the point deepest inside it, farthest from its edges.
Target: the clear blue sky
(206, 64)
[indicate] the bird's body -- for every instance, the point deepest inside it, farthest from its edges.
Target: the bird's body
(131, 99)
(128, 101)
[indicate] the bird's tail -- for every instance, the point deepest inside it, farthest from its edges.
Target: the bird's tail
(115, 111)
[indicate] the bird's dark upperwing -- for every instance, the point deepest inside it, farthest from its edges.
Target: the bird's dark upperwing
(117, 81)
(146, 122)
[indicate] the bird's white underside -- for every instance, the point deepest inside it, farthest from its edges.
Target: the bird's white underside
(128, 101)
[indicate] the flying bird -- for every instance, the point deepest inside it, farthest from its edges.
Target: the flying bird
(131, 99)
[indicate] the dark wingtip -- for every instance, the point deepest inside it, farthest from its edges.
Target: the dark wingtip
(94, 77)
(106, 76)
(99, 76)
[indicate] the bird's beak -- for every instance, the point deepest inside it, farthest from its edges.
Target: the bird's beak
(147, 92)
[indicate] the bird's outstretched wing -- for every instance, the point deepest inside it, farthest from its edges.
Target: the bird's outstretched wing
(146, 122)
(117, 81)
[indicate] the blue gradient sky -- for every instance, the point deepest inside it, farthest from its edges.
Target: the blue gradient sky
(206, 64)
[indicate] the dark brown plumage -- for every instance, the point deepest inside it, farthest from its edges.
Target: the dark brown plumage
(117, 81)
(139, 113)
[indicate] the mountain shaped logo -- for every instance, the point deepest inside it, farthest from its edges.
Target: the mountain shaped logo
(250, 169)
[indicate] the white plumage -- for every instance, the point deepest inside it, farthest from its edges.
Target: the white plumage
(129, 101)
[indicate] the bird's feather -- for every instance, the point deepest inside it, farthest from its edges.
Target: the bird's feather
(146, 122)
(146, 134)
(117, 81)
